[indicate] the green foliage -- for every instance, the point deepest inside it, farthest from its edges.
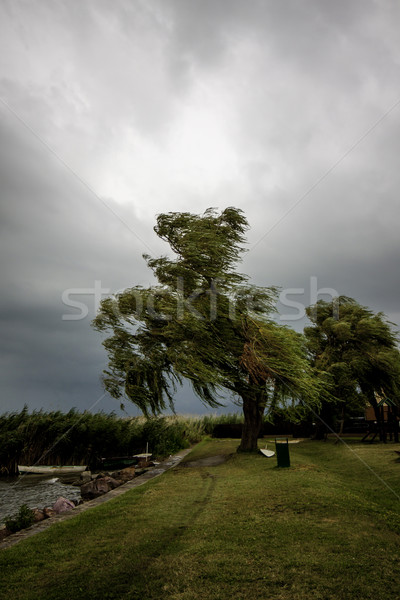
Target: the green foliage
(164, 438)
(206, 324)
(23, 519)
(56, 438)
(357, 349)
(210, 421)
(11, 440)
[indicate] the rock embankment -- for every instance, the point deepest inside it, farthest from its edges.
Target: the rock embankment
(92, 486)
(146, 475)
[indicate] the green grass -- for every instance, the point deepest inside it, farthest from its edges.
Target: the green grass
(327, 527)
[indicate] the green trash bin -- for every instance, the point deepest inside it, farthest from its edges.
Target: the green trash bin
(282, 452)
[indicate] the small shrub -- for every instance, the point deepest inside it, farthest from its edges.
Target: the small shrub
(22, 520)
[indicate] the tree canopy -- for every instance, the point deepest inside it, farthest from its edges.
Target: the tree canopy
(357, 349)
(205, 323)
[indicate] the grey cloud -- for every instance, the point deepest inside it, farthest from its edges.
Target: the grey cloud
(82, 71)
(55, 236)
(107, 83)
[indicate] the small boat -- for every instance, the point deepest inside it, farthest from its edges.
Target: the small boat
(116, 463)
(50, 470)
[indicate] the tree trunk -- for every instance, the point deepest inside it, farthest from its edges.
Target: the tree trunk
(379, 417)
(341, 426)
(253, 410)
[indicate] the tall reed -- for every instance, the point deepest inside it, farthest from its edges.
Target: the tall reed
(77, 438)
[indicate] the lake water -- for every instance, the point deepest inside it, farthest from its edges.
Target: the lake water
(34, 490)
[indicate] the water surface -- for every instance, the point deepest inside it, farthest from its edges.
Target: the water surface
(34, 490)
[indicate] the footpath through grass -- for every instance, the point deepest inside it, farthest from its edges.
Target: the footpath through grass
(327, 527)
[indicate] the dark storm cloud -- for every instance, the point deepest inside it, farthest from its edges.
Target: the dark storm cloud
(275, 107)
(55, 236)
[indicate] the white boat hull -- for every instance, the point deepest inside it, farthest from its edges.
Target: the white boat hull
(50, 470)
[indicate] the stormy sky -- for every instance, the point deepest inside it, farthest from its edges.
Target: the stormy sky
(113, 112)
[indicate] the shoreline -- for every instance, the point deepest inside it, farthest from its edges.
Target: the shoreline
(164, 466)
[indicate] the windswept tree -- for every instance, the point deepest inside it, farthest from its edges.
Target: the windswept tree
(358, 350)
(203, 323)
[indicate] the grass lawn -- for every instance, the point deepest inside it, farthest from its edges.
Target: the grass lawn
(327, 527)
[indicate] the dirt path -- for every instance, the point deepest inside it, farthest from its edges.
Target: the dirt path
(210, 461)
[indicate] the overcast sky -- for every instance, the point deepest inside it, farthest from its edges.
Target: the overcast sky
(114, 111)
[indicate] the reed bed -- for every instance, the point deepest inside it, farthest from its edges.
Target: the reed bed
(78, 438)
